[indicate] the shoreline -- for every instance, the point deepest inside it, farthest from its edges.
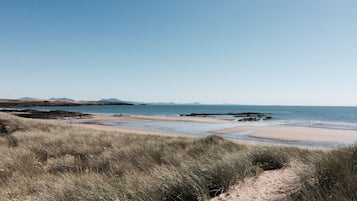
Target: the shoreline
(287, 135)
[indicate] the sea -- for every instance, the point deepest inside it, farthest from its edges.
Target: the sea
(306, 116)
(341, 118)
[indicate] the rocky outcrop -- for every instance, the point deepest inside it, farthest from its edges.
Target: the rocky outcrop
(35, 103)
(242, 117)
(55, 114)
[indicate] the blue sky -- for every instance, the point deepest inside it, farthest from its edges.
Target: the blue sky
(277, 52)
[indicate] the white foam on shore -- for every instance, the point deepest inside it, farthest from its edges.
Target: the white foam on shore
(303, 123)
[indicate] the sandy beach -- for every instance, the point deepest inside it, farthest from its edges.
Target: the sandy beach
(290, 133)
(280, 133)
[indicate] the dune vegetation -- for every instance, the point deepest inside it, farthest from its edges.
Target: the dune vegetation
(44, 160)
(333, 177)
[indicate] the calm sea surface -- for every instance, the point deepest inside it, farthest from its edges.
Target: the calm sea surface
(306, 116)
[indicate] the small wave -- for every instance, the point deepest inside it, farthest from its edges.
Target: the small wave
(323, 124)
(262, 123)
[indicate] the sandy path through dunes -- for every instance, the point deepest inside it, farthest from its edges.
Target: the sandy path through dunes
(268, 186)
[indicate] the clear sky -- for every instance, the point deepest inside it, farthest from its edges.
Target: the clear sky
(279, 52)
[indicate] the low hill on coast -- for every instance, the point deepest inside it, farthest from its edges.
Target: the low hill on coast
(19, 103)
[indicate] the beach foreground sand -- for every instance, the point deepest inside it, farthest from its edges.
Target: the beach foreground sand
(281, 133)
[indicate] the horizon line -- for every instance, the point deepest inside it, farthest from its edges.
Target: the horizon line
(186, 103)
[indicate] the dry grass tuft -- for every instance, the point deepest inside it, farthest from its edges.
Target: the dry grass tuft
(269, 158)
(331, 176)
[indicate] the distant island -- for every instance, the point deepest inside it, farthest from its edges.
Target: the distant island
(112, 100)
(62, 99)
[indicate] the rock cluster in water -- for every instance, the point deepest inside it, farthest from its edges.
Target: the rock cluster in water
(242, 117)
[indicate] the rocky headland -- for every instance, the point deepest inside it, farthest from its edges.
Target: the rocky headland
(54, 114)
(17, 103)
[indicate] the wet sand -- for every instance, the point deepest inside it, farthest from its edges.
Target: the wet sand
(290, 133)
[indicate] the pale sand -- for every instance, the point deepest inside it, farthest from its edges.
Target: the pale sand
(289, 133)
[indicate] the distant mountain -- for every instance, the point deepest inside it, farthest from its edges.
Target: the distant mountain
(27, 98)
(111, 100)
(62, 99)
(115, 100)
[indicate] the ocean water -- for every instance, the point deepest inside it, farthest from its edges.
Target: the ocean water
(306, 116)
(303, 116)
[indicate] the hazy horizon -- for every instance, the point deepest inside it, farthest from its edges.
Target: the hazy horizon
(212, 52)
(168, 102)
